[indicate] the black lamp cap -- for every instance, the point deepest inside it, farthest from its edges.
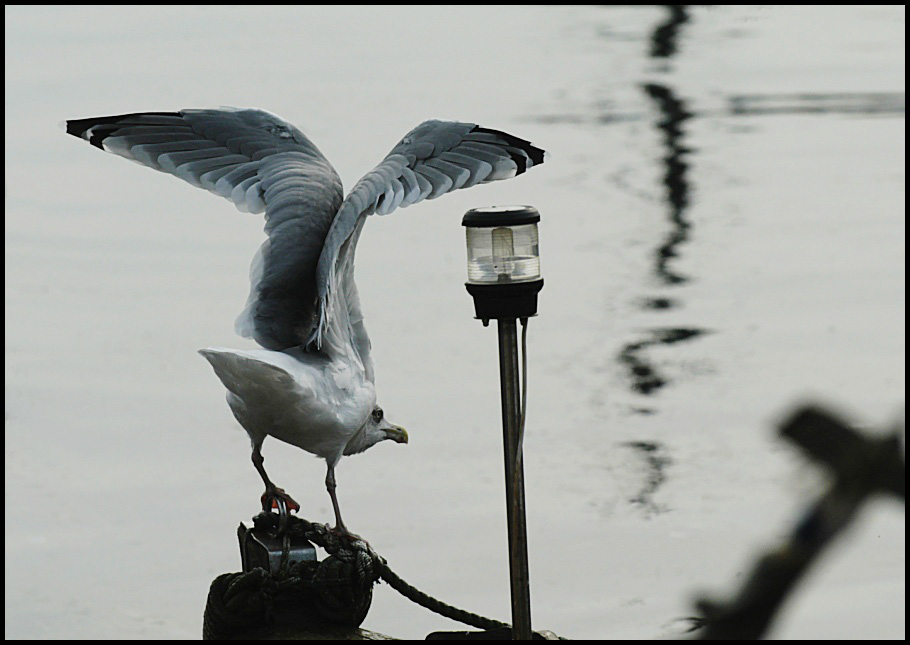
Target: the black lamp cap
(505, 300)
(500, 216)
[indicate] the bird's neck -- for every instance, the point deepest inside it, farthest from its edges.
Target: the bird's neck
(366, 437)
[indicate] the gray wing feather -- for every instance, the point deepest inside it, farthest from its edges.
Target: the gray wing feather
(435, 158)
(262, 164)
(440, 181)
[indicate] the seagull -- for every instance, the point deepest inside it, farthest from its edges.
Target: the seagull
(312, 384)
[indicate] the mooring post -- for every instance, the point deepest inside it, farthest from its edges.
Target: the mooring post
(515, 489)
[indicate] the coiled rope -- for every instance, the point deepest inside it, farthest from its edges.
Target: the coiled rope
(337, 590)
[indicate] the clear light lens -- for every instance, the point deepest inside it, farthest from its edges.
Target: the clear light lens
(503, 254)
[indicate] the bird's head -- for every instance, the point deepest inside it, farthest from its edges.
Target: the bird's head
(390, 430)
(375, 429)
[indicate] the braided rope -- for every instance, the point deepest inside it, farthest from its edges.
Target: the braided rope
(339, 588)
(434, 604)
(371, 567)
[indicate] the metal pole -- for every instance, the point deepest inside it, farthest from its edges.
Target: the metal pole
(515, 488)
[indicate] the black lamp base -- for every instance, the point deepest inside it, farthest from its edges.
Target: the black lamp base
(514, 300)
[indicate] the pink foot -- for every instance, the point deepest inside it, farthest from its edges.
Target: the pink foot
(270, 500)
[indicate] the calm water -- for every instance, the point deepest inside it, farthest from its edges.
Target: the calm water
(722, 237)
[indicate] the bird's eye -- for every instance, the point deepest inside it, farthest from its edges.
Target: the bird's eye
(377, 414)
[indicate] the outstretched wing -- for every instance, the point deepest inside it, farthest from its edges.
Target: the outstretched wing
(262, 164)
(435, 158)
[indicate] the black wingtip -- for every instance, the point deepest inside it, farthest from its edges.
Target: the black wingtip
(535, 154)
(77, 127)
(97, 128)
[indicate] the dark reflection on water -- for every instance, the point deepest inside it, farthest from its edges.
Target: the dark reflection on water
(870, 103)
(658, 303)
(645, 378)
(673, 114)
(656, 461)
(663, 39)
(772, 104)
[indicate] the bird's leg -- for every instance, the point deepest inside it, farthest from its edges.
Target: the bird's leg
(271, 490)
(330, 486)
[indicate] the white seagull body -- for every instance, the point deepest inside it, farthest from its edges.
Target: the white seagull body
(313, 384)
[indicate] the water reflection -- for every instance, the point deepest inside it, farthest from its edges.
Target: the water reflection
(663, 38)
(644, 377)
(673, 114)
(656, 461)
(869, 103)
